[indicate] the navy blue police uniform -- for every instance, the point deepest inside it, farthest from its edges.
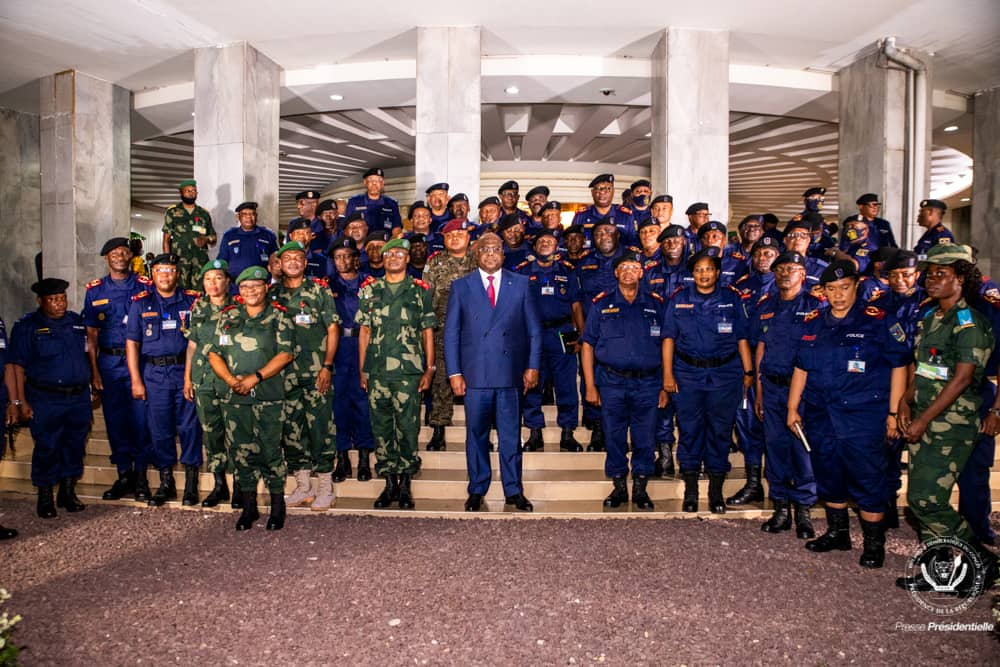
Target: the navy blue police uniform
(381, 213)
(350, 401)
(243, 249)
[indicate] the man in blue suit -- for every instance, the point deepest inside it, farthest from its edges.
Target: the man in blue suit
(492, 350)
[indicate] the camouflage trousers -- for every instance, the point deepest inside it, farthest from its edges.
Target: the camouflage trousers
(309, 437)
(209, 408)
(442, 399)
(935, 464)
(395, 413)
(254, 433)
(188, 270)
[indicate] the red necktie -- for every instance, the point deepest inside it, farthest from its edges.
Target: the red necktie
(492, 293)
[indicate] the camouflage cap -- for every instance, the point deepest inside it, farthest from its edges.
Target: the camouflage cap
(948, 253)
(252, 273)
(214, 265)
(397, 242)
(291, 245)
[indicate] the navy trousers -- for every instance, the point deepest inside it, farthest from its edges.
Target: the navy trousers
(482, 408)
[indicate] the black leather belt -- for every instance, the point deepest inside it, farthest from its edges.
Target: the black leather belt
(169, 360)
(65, 390)
(714, 362)
(630, 374)
(349, 332)
(558, 322)
(778, 380)
(113, 351)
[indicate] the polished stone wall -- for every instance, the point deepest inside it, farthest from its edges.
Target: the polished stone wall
(986, 186)
(20, 212)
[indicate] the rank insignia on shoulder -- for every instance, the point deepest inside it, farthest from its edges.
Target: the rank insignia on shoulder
(862, 252)
(421, 284)
(141, 295)
(229, 308)
(897, 332)
(677, 290)
(808, 337)
(812, 315)
(278, 306)
(875, 295)
(144, 280)
(877, 313)
(766, 316)
(625, 209)
(762, 299)
(657, 297)
(370, 280)
(192, 292)
(599, 297)
(94, 283)
(322, 282)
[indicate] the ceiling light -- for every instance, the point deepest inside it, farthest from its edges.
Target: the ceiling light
(965, 199)
(336, 97)
(137, 215)
(192, 114)
(951, 128)
(511, 90)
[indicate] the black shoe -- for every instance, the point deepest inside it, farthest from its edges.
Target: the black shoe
(219, 492)
(619, 492)
(520, 502)
(596, 438)
(190, 497)
(640, 498)
(752, 491)
(873, 555)
(46, 505)
(343, 469)
(390, 494)
(781, 519)
(890, 520)
(690, 503)
(534, 442)
(142, 492)
(7, 533)
(250, 513)
(567, 441)
(276, 520)
(436, 443)
(237, 502)
(716, 503)
(66, 496)
(663, 467)
(803, 523)
(167, 489)
(837, 535)
(405, 495)
(364, 465)
(124, 485)
(474, 502)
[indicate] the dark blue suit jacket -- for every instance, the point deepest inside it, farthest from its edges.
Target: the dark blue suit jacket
(492, 347)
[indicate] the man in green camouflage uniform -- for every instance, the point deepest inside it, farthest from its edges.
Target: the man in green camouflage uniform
(396, 355)
(202, 386)
(187, 232)
(442, 269)
(309, 438)
(254, 341)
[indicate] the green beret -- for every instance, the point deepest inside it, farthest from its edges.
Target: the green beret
(396, 243)
(252, 273)
(291, 245)
(186, 183)
(214, 265)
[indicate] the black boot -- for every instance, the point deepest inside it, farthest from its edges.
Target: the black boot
(276, 521)
(7, 533)
(124, 485)
(167, 489)
(781, 519)
(343, 469)
(250, 513)
(716, 503)
(142, 493)
(752, 491)
(405, 495)
(437, 440)
(639, 496)
(890, 520)
(190, 486)
(534, 442)
(837, 535)
(219, 492)
(66, 496)
(237, 502)
(364, 465)
(664, 465)
(619, 492)
(568, 442)
(873, 555)
(690, 491)
(803, 524)
(596, 438)
(46, 506)
(390, 493)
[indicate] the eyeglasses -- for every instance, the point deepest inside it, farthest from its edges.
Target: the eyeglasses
(604, 189)
(491, 250)
(165, 270)
(798, 235)
(788, 270)
(398, 254)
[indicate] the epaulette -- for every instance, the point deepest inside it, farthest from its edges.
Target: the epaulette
(625, 209)
(238, 299)
(657, 297)
(877, 313)
(875, 295)
(677, 290)
(368, 281)
(925, 302)
(94, 283)
(278, 306)
(735, 290)
(192, 292)
(434, 254)
(600, 296)
(322, 282)
(634, 248)
(523, 264)
(229, 307)
(144, 280)
(421, 284)
(745, 276)
(736, 254)
(141, 295)
(565, 262)
(812, 315)
(763, 298)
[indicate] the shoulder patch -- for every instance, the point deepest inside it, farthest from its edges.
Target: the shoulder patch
(523, 264)
(144, 280)
(141, 295)
(877, 313)
(625, 209)
(370, 280)
(192, 292)
(875, 295)
(94, 283)
(656, 297)
(763, 298)
(925, 302)
(811, 315)
(228, 308)
(322, 282)
(600, 296)
(421, 284)
(278, 306)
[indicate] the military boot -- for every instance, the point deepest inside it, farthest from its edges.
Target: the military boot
(568, 442)
(534, 442)
(664, 465)
(640, 498)
(619, 492)
(124, 485)
(596, 438)
(190, 497)
(781, 518)
(803, 524)
(837, 535)
(46, 507)
(873, 555)
(237, 502)
(219, 492)
(167, 489)
(250, 514)
(324, 493)
(716, 503)
(7, 533)
(364, 465)
(343, 469)
(390, 493)
(690, 503)
(436, 443)
(405, 495)
(142, 492)
(66, 496)
(890, 520)
(276, 520)
(303, 494)
(752, 491)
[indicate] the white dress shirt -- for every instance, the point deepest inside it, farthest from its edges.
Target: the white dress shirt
(486, 283)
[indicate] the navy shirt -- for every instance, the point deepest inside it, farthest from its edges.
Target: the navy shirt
(778, 324)
(52, 352)
(707, 326)
(555, 289)
(381, 213)
(626, 336)
(515, 257)
(931, 238)
(345, 297)
(596, 275)
(663, 278)
(106, 305)
(242, 250)
(159, 324)
(622, 217)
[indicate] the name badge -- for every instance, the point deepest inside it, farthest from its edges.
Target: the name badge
(125, 320)
(236, 250)
(855, 366)
(931, 372)
(263, 257)
(725, 327)
(169, 325)
(548, 290)
(654, 331)
(303, 318)
(224, 339)
(3, 344)
(198, 229)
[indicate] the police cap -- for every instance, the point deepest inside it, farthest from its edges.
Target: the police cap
(711, 226)
(934, 203)
(662, 199)
(305, 194)
(50, 286)
(711, 253)
(838, 269)
(508, 221)
(640, 183)
(602, 178)
(326, 205)
(252, 205)
(436, 186)
(789, 257)
(813, 191)
(869, 198)
(670, 232)
(695, 207)
(508, 185)
(111, 244)
(461, 196)
(901, 259)
(297, 224)
(537, 190)
(493, 199)
(626, 257)
(166, 258)
(374, 171)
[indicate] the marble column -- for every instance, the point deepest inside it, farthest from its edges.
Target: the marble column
(690, 113)
(236, 116)
(449, 118)
(20, 212)
(872, 151)
(986, 186)
(86, 178)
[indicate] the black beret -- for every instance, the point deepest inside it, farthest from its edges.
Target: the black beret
(750, 218)
(626, 257)
(662, 199)
(573, 229)
(461, 196)
(252, 205)
(695, 207)
(508, 185)
(378, 235)
(649, 222)
(640, 183)
(670, 232)
(769, 219)
(934, 203)
(552, 205)
(788, 257)
(490, 200)
(508, 221)
(870, 198)
(418, 204)
(901, 259)
(374, 171)
(116, 242)
(537, 190)
(166, 258)
(711, 226)
(417, 238)
(544, 231)
(838, 269)
(857, 217)
(307, 194)
(343, 242)
(602, 222)
(326, 205)
(766, 242)
(602, 178)
(813, 191)
(436, 186)
(299, 223)
(711, 252)
(354, 217)
(50, 286)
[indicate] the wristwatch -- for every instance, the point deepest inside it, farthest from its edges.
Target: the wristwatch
(995, 411)
(328, 367)
(260, 378)
(17, 403)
